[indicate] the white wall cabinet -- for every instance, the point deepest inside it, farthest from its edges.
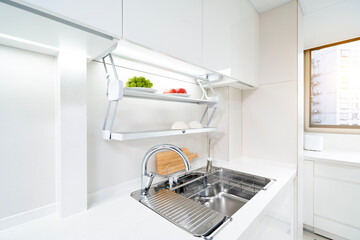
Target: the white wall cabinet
(105, 15)
(336, 194)
(231, 39)
(169, 26)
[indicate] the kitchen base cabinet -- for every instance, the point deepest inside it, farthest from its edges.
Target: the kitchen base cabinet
(277, 220)
(308, 195)
(331, 199)
(336, 201)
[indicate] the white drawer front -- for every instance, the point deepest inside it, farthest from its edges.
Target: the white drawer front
(343, 173)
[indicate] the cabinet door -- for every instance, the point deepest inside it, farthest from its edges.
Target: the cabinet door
(170, 26)
(105, 15)
(336, 200)
(231, 39)
(276, 222)
(308, 195)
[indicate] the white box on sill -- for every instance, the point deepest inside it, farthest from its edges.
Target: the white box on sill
(313, 142)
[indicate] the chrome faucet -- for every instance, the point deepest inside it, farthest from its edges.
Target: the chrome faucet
(147, 178)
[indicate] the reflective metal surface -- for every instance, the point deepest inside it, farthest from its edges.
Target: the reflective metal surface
(147, 178)
(200, 202)
(194, 218)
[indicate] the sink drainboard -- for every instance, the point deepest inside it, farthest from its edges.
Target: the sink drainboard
(185, 213)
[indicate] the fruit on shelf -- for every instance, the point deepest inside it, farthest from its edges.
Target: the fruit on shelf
(181, 90)
(139, 82)
(172, 90)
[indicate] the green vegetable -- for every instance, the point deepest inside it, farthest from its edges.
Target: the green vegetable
(139, 82)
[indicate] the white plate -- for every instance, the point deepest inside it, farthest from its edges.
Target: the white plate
(178, 94)
(141, 89)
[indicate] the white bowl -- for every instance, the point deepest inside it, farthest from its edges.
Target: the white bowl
(195, 124)
(179, 125)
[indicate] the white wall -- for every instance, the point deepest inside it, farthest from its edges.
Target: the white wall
(332, 24)
(270, 112)
(112, 162)
(27, 126)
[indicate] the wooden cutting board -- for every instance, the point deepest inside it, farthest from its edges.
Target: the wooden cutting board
(170, 162)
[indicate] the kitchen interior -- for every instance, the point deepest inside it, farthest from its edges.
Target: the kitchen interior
(191, 119)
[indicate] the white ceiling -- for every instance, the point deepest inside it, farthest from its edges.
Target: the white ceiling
(265, 5)
(308, 6)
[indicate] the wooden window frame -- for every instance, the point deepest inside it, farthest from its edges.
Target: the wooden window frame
(307, 97)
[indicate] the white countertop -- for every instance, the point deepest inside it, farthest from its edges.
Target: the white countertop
(121, 217)
(334, 156)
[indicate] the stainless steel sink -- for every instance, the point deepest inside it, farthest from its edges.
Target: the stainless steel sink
(201, 202)
(219, 198)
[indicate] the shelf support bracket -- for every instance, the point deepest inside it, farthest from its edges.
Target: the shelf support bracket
(114, 93)
(205, 96)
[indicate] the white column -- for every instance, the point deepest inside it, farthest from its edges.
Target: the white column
(71, 135)
(226, 143)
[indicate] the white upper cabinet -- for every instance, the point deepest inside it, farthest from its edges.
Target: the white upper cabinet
(105, 15)
(231, 39)
(173, 27)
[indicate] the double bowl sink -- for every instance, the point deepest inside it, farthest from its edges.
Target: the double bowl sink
(200, 202)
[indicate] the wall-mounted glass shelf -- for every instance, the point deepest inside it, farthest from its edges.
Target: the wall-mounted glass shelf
(166, 97)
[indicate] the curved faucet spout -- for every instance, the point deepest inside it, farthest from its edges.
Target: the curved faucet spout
(147, 178)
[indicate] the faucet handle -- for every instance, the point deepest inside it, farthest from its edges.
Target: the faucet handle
(146, 181)
(151, 174)
(209, 165)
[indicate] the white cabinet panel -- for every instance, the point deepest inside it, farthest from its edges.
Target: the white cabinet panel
(309, 194)
(336, 200)
(170, 26)
(342, 173)
(245, 57)
(277, 220)
(105, 15)
(343, 232)
(221, 21)
(231, 38)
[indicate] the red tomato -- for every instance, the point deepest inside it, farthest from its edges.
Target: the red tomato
(172, 90)
(181, 90)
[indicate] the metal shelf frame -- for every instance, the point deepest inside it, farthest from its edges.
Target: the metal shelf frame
(123, 136)
(114, 85)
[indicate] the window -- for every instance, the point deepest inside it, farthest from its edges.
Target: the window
(332, 87)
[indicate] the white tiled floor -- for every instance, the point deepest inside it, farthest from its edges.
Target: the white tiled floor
(312, 236)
